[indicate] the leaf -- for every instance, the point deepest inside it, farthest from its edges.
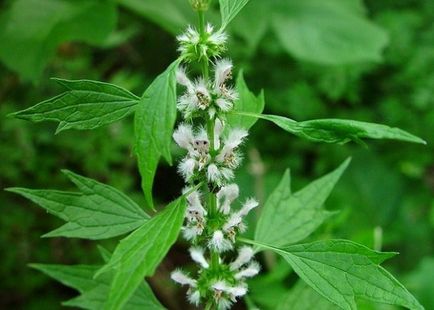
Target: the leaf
(31, 30)
(327, 32)
(341, 271)
(303, 297)
(247, 102)
(229, 9)
(154, 121)
(172, 15)
(94, 292)
(139, 254)
(338, 131)
(97, 212)
(297, 215)
(85, 105)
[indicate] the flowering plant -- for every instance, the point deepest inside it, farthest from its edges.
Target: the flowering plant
(216, 117)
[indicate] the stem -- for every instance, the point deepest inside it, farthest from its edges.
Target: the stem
(204, 61)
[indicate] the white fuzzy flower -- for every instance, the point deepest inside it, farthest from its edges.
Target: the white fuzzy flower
(245, 254)
(182, 78)
(218, 38)
(182, 278)
(196, 254)
(233, 221)
(251, 271)
(202, 94)
(237, 291)
(248, 206)
(183, 136)
(224, 304)
(227, 173)
(213, 174)
(223, 71)
(218, 129)
(235, 138)
(219, 243)
(224, 104)
(191, 232)
(194, 297)
(191, 36)
(186, 168)
(227, 154)
(226, 196)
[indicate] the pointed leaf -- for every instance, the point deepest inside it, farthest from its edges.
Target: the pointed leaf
(98, 212)
(247, 102)
(139, 254)
(297, 215)
(94, 292)
(341, 271)
(85, 105)
(154, 121)
(229, 9)
(338, 131)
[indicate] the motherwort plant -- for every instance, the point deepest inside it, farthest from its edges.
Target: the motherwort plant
(216, 114)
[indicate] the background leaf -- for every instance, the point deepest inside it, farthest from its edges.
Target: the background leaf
(85, 105)
(229, 9)
(139, 254)
(154, 121)
(327, 32)
(31, 30)
(297, 215)
(99, 211)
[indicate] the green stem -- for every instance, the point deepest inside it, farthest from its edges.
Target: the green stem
(204, 61)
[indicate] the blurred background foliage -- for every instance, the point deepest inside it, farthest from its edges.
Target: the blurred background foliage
(370, 61)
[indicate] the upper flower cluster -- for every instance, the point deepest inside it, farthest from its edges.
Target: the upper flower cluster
(194, 47)
(212, 96)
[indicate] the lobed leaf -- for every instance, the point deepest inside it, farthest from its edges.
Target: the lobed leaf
(341, 271)
(154, 121)
(85, 105)
(94, 292)
(139, 254)
(229, 9)
(97, 212)
(338, 131)
(31, 30)
(247, 102)
(297, 215)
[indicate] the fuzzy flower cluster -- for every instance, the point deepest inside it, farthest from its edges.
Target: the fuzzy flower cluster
(212, 154)
(195, 47)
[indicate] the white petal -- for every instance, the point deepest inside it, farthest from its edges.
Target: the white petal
(251, 271)
(182, 278)
(197, 255)
(183, 136)
(245, 254)
(248, 206)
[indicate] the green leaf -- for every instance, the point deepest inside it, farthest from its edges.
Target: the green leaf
(154, 121)
(247, 102)
(229, 9)
(341, 271)
(31, 30)
(139, 254)
(327, 32)
(338, 131)
(85, 105)
(94, 292)
(99, 211)
(297, 215)
(172, 15)
(303, 297)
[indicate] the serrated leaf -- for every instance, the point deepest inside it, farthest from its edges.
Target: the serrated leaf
(31, 30)
(341, 271)
(303, 297)
(85, 105)
(139, 254)
(338, 131)
(99, 211)
(94, 292)
(297, 215)
(327, 32)
(154, 121)
(229, 9)
(247, 102)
